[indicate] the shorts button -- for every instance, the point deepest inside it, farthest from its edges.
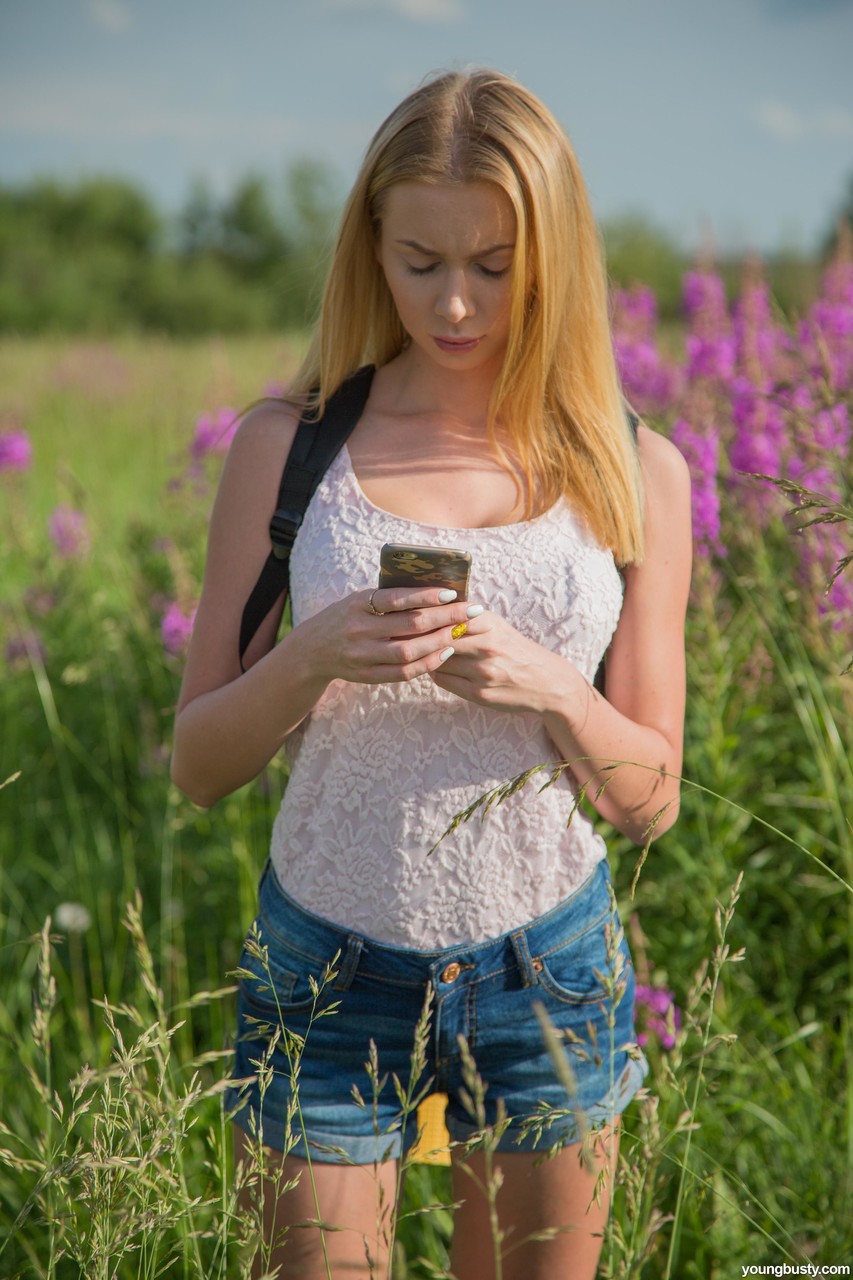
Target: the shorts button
(451, 972)
(538, 966)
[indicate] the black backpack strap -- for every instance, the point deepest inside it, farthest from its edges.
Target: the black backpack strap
(315, 446)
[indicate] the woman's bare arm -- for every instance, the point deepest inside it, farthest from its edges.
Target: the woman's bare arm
(641, 716)
(229, 725)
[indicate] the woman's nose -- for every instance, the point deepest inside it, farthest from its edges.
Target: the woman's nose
(453, 303)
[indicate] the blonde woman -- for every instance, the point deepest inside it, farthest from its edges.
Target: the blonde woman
(468, 273)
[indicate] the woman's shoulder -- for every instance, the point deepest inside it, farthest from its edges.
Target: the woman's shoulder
(665, 471)
(268, 426)
(667, 505)
(660, 454)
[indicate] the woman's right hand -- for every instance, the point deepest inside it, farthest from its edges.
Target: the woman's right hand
(407, 633)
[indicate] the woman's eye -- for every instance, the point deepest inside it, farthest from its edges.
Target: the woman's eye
(489, 272)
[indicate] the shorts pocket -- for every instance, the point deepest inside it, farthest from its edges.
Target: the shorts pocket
(282, 983)
(579, 972)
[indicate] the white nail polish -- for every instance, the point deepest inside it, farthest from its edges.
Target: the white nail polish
(445, 653)
(446, 596)
(474, 610)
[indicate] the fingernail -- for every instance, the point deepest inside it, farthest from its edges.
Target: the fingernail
(474, 610)
(446, 596)
(445, 653)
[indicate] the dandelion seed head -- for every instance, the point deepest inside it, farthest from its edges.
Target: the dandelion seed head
(72, 917)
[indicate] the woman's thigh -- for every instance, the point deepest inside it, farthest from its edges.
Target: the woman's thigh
(565, 1199)
(289, 1204)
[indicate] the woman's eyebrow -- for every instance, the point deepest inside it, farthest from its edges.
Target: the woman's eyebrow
(431, 253)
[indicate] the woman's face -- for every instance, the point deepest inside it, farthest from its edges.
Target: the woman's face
(447, 255)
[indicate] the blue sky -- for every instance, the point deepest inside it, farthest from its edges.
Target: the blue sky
(728, 119)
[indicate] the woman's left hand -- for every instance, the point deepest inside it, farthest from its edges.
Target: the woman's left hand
(496, 666)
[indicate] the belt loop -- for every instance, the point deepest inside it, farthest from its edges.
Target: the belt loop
(522, 955)
(349, 964)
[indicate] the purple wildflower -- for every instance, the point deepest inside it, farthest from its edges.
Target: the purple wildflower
(822, 441)
(651, 384)
(710, 344)
(700, 451)
(176, 628)
(214, 432)
(16, 451)
(757, 338)
(832, 430)
(837, 283)
(758, 444)
(704, 298)
(827, 339)
(827, 332)
(710, 357)
(275, 390)
(69, 532)
(635, 312)
(658, 1014)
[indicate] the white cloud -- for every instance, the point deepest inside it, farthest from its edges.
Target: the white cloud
(791, 125)
(112, 15)
(783, 122)
(107, 110)
(414, 10)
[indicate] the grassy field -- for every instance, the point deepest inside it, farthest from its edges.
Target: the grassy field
(123, 908)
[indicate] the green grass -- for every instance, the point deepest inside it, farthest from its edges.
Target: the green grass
(743, 1152)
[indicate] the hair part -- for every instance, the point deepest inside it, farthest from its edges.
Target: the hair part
(557, 399)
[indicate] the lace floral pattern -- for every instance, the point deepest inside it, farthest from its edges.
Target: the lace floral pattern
(378, 771)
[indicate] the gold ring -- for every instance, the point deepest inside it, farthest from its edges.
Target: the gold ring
(459, 630)
(377, 613)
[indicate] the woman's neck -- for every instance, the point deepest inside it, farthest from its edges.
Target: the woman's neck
(414, 384)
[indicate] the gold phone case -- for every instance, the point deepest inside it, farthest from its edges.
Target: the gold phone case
(401, 565)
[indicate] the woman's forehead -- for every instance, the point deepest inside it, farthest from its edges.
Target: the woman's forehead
(479, 213)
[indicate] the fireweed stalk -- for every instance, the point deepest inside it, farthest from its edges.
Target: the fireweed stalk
(754, 397)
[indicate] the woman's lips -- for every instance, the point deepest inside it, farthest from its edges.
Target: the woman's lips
(456, 344)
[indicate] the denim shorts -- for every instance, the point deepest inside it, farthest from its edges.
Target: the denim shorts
(313, 996)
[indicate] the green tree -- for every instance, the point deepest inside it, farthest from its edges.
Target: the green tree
(253, 238)
(199, 224)
(94, 212)
(71, 256)
(843, 215)
(312, 208)
(639, 252)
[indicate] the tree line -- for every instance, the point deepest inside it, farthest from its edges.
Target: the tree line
(97, 256)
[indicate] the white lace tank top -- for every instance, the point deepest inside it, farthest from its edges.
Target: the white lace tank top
(379, 771)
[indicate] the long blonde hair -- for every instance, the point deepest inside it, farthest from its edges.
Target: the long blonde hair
(558, 397)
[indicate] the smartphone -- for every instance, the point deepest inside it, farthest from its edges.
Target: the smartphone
(401, 565)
